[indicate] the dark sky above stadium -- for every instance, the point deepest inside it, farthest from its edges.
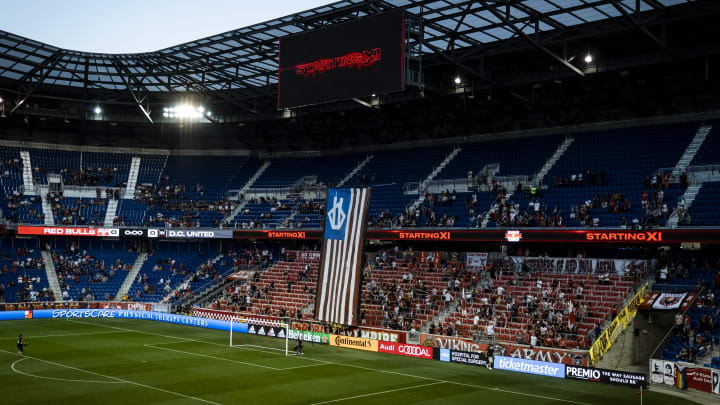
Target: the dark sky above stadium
(127, 26)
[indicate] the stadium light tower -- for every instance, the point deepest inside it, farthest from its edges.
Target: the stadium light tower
(588, 58)
(97, 110)
(458, 80)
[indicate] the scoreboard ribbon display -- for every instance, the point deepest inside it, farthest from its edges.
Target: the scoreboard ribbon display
(354, 59)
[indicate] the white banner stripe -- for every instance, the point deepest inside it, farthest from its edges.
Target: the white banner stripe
(344, 256)
(326, 263)
(350, 262)
(358, 248)
(333, 280)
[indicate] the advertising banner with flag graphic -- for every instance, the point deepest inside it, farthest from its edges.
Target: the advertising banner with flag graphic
(669, 301)
(341, 258)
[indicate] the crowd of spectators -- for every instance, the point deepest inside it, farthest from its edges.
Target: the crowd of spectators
(89, 176)
(509, 213)
(17, 200)
(167, 197)
(75, 213)
(263, 219)
(72, 263)
(589, 177)
(19, 265)
(402, 299)
(248, 296)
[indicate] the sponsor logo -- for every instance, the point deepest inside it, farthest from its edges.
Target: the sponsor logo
(444, 354)
(271, 332)
(308, 336)
(530, 366)
(285, 235)
(605, 376)
(152, 233)
(716, 382)
(669, 301)
(252, 330)
(380, 335)
(423, 352)
(90, 313)
(498, 350)
(28, 314)
(336, 215)
(261, 331)
(582, 373)
(281, 334)
(510, 350)
(425, 235)
(354, 343)
(415, 351)
(476, 359)
(108, 232)
(624, 236)
(513, 236)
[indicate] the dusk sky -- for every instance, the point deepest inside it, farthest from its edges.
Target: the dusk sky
(136, 25)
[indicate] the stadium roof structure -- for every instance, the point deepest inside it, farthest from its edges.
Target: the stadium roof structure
(239, 66)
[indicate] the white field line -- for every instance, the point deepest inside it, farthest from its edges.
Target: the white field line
(214, 357)
(263, 347)
(155, 346)
(240, 347)
(12, 367)
(118, 379)
(379, 393)
(63, 335)
(366, 368)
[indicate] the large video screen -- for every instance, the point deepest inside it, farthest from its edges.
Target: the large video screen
(353, 59)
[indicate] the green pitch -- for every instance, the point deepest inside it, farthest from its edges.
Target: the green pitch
(131, 362)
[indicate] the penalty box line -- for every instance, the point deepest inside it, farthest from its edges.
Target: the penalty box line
(241, 347)
(118, 379)
(368, 368)
(157, 346)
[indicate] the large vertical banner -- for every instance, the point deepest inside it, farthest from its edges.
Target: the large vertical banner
(341, 259)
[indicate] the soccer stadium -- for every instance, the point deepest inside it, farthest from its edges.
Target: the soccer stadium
(382, 201)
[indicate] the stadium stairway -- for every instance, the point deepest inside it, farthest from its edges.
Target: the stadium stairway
(131, 181)
(486, 217)
(51, 274)
(688, 197)
(28, 185)
(228, 219)
(553, 159)
(355, 171)
(110, 212)
(125, 287)
(47, 210)
(440, 167)
(181, 286)
(691, 151)
(432, 175)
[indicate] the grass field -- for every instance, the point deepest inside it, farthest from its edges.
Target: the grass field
(115, 361)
